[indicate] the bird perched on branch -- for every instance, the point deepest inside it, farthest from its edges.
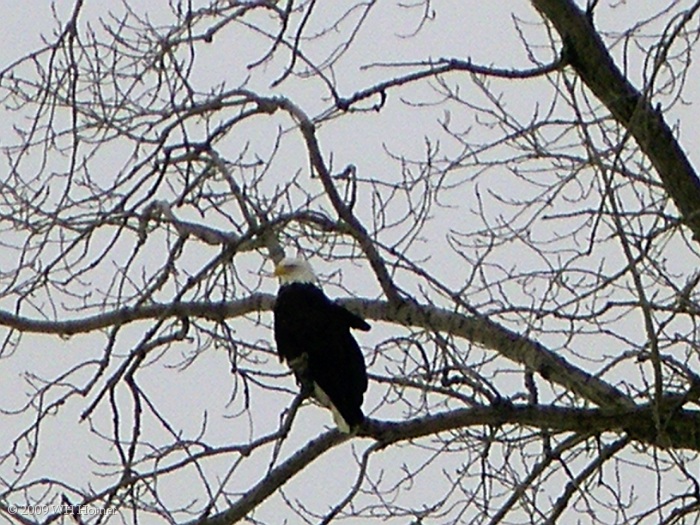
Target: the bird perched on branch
(313, 336)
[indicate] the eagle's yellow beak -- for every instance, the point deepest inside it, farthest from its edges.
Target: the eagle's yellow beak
(280, 270)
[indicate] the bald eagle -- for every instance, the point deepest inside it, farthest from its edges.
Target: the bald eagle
(313, 336)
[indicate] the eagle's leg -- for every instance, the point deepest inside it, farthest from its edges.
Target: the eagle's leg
(300, 367)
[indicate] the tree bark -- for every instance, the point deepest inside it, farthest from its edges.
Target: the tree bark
(587, 54)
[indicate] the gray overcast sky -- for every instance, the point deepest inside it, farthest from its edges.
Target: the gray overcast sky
(384, 146)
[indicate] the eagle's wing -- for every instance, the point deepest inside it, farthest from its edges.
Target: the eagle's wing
(314, 332)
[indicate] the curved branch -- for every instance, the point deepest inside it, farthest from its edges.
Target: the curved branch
(682, 427)
(477, 329)
(682, 430)
(442, 66)
(275, 479)
(576, 484)
(206, 310)
(588, 55)
(509, 344)
(358, 231)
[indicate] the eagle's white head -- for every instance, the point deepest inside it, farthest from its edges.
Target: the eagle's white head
(295, 270)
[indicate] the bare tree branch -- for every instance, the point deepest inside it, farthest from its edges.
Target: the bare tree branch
(632, 108)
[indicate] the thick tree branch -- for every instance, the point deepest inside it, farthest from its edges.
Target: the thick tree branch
(681, 427)
(275, 479)
(682, 430)
(588, 55)
(509, 344)
(141, 197)
(473, 328)
(207, 310)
